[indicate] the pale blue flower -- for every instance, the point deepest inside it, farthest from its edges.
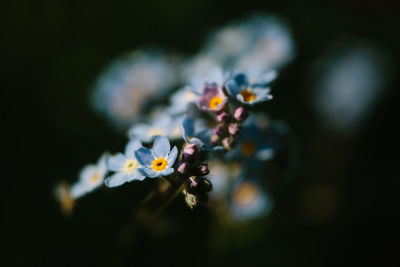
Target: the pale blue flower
(159, 160)
(181, 100)
(90, 178)
(125, 166)
(126, 88)
(249, 200)
(196, 131)
(250, 90)
(254, 145)
(163, 125)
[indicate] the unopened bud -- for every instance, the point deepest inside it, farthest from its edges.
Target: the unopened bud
(189, 151)
(234, 128)
(227, 142)
(183, 167)
(201, 169)
(240, 114)
(219, 130)
(223, 116)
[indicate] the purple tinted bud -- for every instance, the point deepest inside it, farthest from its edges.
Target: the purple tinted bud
(219, 130)
(204, 169)
(223, 116)
(234, 128)
(193, 182)
(183, 167)
(201, 169)
(240, 114)
(227, 142)
(189, 151)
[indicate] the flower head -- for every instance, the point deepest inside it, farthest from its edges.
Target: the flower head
(254, 144)
(250, 92)
(131, 82)
(209, 88)
(249, 200)
(125, 166)
(164, 125)
(157, 161)
(181, 100)
(90, 178)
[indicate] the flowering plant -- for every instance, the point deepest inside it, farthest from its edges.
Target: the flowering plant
(219, 145)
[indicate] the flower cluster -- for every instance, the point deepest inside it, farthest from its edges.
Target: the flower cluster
(207, 131)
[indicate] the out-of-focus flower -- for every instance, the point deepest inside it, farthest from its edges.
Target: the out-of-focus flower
(90, 178)
(248, 93)
(63, 195)
(163, 125)
(196, 131)
(125, 166)
(181, 100)
(272, 44)
(249, 200)
(133, 81)
(199, 65)
(222, 174)
(159, 160)
(349, 82)
(253, 144)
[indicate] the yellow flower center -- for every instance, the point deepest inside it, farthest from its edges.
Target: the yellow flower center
(248, 148)
(159, 164)
(248, 96)
(215, 101)
(130, 165)
(95, 178)
(245, 194)
(155, 132)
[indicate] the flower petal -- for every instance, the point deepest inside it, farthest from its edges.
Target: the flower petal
(232, 87)
(147, 172)
(131, 147)
(116, 179)
(116, 163)
(172, 156)
(166, 172)
(144, 156)
(135, 176)
(161, 146)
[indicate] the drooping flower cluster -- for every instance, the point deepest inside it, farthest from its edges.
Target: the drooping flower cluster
(208, 122)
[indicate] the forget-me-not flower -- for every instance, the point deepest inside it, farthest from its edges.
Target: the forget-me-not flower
(163, 125)
(250, 90)
(125, 166)
(209, 88)
(157, 161)
(249, 200)
(90, 178)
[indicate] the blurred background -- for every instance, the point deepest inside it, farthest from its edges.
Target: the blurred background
(338, 208)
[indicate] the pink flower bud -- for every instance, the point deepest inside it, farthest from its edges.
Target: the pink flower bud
(183, 167)
(234, 128)
(227, 142)
(240, 114)
(189, 151)
(223, 116)
(219, 130)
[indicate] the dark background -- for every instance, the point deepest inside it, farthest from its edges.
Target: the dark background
(53, 50)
